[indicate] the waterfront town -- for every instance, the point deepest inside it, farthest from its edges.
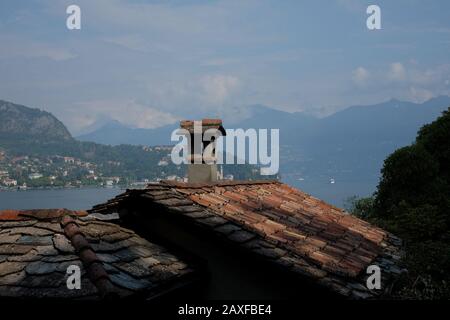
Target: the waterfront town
(60, 171)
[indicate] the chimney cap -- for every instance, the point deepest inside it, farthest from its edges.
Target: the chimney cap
(206, 124)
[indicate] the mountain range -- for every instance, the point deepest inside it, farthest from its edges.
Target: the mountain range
(347, 147)
(18, 120)
(392, 121)
(356, 139)
(42, 140)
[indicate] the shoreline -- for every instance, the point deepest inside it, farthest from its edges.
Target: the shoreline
(62, 188)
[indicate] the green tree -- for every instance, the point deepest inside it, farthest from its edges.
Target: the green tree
(413, 196)
(413, 201)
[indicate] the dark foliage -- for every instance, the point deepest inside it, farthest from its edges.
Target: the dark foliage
(413, 202)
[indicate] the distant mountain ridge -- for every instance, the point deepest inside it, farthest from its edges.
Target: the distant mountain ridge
(391, 120)
(41, 139)
(116, 133)
(18, 120)
(348, 147)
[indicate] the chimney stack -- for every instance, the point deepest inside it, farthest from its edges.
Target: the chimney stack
(202, 167)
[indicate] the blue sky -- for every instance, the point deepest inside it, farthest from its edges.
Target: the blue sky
(150, 63)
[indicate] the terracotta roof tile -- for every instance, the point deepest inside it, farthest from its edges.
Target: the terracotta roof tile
(231, 209)
(271, 201)
(200, 200)
(40, 214)
(235, 196)
(269, 227)
(248, 217)
(277, 220)
(10, 215)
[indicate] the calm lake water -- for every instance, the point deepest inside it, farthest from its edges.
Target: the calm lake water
(82, 199)
(335, 193)
(75, 199)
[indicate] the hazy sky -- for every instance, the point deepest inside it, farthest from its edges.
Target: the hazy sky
(149, 63)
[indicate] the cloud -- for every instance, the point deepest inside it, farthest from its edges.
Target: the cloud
(420, 95)
(415, 82)
(397, 72)
(218, 88)
(415, 74)
(360, 76)
(200, 94)
(199, 58)
(128, 112)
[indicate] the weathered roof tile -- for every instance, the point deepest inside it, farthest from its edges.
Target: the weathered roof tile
(35, 257)
(320, 239)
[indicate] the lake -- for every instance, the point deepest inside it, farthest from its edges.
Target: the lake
(335, 193)
(74, 199)
(85, 198)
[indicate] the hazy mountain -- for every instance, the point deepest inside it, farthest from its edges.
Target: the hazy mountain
(360, 137)
(348, 146)
(354, 141)
(20, 121)
(390, 124)
(115, 133)
(259, 116)
(40, 135)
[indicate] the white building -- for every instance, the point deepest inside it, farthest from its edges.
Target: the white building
(69, 160)
(163, 163)
(35, 176)
(10, 182)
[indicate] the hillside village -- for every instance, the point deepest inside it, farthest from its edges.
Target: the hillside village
(37, 151)
(59, 171)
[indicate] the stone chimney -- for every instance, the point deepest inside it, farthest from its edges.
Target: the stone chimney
(202, 165)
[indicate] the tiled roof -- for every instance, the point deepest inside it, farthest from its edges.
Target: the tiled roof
(37, 246)
(282, 224)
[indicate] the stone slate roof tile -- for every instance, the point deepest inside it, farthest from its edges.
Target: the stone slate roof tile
(278, 223)
(37, 247)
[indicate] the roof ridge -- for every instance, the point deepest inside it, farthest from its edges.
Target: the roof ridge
(222, 183)
(94, 266)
